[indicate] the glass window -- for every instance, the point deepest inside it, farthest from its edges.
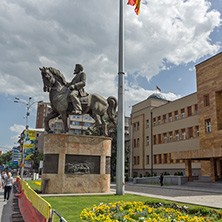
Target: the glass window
(182, 113)
(159, 120)
(170, 117)
(197, 131)
(183, 134)
(159, 138)
(176, 115)
(189, 111)
(171, 137)
(147, 123)
(164, 118)
(196, 109)
(208, 125)
(190, 132)
(177, 136)
(164, 137)
(147, 159)
(154, 121)
(206, 100)
(147, 141)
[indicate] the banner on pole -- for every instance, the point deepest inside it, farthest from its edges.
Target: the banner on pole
(29, 144)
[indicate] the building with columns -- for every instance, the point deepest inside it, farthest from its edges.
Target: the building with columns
(184, 135)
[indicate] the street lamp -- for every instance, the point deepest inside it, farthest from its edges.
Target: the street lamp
(28, 106)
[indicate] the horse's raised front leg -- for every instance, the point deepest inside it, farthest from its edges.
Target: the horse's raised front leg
(50, 116)
(64, 120)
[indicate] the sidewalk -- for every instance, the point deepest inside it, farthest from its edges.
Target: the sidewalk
(5, 207)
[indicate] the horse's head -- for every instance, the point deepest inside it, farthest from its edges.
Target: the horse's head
(48, 79)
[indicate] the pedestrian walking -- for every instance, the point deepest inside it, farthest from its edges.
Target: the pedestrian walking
(7, 185)
(161, 179)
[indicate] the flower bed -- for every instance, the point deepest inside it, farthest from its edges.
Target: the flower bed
(146, 212)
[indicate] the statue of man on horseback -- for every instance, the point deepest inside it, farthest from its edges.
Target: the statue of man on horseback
(66, 98)
(77, 88)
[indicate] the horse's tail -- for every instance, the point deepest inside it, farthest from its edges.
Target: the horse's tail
(111, 111)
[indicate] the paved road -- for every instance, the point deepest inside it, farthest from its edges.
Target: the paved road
(206, 196)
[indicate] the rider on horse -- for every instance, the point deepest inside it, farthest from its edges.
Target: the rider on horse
(77, 88)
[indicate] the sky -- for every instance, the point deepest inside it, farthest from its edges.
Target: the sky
(162, 46)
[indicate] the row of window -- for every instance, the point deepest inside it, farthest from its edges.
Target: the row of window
(170, 117)
(174, 115)
(164, 158)
(171, 136)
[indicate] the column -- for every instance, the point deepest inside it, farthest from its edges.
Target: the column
(188, 170)
(213, 170)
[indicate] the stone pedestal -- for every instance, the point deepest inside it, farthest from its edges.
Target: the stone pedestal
(76, 163)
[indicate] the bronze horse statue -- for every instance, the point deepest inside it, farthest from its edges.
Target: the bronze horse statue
(94, 105)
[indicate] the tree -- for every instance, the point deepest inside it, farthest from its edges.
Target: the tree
(112, 132)
(6, 157)
(36, 157)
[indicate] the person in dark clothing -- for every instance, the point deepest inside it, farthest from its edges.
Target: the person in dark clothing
(8, 183)
(161, 179)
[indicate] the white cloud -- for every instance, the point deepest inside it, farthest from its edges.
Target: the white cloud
(63, 33)
(17, 128)
(180, 79)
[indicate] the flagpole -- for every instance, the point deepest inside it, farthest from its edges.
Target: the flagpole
(120, 169)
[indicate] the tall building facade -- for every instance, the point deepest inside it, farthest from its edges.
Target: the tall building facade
(182, 135)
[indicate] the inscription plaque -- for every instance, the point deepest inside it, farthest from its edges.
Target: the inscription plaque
(50, 163)
(82, 164)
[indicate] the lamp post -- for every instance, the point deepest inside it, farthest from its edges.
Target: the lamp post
(28, 106)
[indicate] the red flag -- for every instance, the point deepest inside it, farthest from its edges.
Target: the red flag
(158, 88)
(136, 3)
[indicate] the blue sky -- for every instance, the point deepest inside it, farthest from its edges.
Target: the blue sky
(162, 46)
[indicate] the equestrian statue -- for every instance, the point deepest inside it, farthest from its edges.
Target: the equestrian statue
(70, 98)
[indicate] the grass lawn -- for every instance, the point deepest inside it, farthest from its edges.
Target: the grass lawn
(33, 185)
(71, 207)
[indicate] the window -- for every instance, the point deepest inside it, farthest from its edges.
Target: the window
(75, 123)
(77, 131)
(154, 139)
(177, 136)
(208, 125)
(147, 141)
(138, 142)
(155, 159)
(134, 126)
(206, 100)
(147, 123)
(137, 160)
(176, 115)
(189, 111)
(138, 126)
(182, 113)
(134, 160)
(170, 136)
(159, 120)
(87, 124)
(159, 138)
(164, 118)
(147, 159)
(170, 117)
(164, 137)
(196, 109)
(134, 143)
(197, 131)
(160, 158)
(190, 132)
(154, 121)
(165, 157)
(183, 134)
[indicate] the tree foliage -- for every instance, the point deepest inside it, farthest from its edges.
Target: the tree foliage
(36, 157)
(112, 132)
(6, 157)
